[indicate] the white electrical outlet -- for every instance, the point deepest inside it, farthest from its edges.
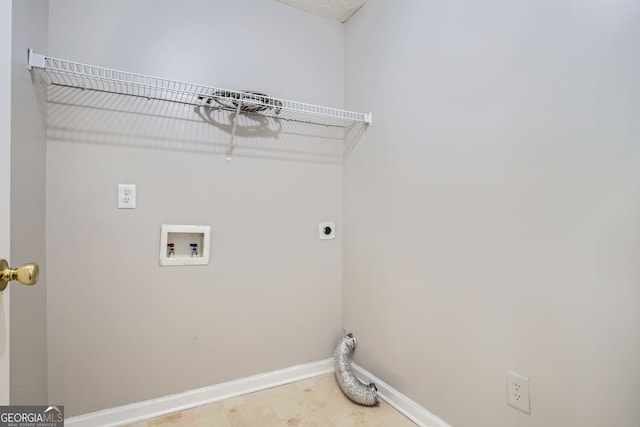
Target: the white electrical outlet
(126, 196)
(518, 391)
(326, 230)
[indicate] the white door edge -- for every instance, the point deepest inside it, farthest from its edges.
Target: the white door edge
(5, 186)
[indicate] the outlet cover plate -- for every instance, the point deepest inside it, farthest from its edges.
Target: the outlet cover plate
(327, 230)
(518, 392)
(126, 196)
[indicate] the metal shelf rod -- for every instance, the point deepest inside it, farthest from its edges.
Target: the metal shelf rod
(233, 130)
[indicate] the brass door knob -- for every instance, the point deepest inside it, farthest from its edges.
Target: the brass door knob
(26, 274)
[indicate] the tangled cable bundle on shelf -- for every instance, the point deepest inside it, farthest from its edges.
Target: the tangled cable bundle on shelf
(356, 390)
(248, 101)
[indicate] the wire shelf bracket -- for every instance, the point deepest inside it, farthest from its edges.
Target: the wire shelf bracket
(66, 73)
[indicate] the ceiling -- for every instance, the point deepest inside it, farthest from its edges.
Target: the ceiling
(340, 10)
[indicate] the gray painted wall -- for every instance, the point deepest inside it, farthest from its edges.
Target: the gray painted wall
(492, 211)
(28, 173)
(123, 329)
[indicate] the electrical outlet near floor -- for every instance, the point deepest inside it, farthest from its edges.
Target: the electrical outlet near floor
(518, 391)
(126, 196)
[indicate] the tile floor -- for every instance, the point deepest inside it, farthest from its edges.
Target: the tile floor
(316, 401)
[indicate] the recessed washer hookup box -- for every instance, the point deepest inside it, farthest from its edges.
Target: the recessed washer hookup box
(185, 244)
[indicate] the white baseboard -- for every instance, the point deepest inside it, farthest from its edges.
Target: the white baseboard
(399, 401)
(178, 402)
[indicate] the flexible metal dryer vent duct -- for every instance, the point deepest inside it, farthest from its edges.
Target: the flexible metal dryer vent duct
(356, 390)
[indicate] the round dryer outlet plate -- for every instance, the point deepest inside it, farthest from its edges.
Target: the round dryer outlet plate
(327, 230)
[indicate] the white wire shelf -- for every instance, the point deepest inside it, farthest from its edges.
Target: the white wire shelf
(65, 73)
